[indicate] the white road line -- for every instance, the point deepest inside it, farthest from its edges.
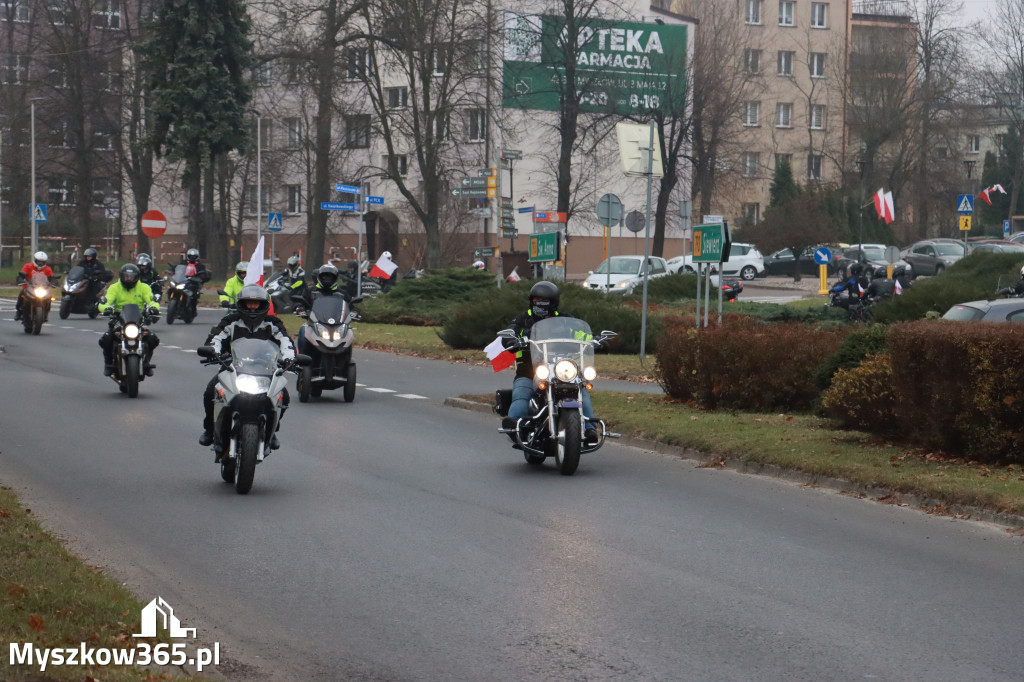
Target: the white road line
(410, 396)
(66, 326)
(380, 390)
(173, 347)
(187, 350)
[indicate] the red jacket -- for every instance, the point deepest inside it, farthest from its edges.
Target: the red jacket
(30, 270)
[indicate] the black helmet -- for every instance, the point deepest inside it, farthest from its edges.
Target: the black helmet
(353, 266)
(899, 271)
(144, 262)
(856, 269)
(327, 277)
(129, 275)
(90, 253)
(548, 290)
(253, 304)
(192, 256)
(879, 274)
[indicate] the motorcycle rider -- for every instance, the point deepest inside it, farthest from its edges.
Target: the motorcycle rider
(1015, 289)
(855, 286)
(234, 285)
(351, 277)
(902, 276)
(38, 265)
(94, 271)
(128, 289)
(194, 267)
(251, 319)
(544, 298)
(294, 270)
(881, 286)
(325, 283)
(147, 275)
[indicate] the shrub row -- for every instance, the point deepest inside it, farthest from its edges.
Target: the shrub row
(426, 300)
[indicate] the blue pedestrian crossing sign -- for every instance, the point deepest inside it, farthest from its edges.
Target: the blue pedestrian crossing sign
(965, 204)
(39, 213)
(274, 222)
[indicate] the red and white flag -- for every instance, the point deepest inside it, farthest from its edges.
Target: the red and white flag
(383, 268)
(861, 289)
(880, 203)
(254, 275)
(500, 357)
(984, 194)
(890, 213)
(899, 288)
(514, 276)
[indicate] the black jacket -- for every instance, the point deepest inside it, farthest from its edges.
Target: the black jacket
(881, 287)
(93, 268)
(232, 327)
(522, 325)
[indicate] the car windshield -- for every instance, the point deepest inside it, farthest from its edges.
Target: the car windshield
(949, 249)
(561, 338)
(255, 356)
(619, 266)
(963, 312)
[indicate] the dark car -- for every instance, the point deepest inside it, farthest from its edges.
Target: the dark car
(872, 255)
(995, 246)
(999, 310)
(932, 256)
(782, 263)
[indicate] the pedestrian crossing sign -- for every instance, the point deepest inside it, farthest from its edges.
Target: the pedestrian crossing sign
(965, 204)
(39, 213)
(274, 222)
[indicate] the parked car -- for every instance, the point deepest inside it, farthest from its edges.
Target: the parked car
(782, 262)
(622, 274)
(995, 246)
(745, 261)
(932, 256)
(998, 310)
(1016, 237)
(873, 255)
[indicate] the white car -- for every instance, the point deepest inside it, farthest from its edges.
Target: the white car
(622, 274)
(745, 262)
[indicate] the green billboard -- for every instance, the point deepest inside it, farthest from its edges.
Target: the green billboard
(545, 247)
(621, 67)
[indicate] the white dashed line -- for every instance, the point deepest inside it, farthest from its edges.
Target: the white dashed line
(410, 396)
(173, 347)
(380, 390)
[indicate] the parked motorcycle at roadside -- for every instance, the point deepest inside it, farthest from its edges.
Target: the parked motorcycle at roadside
(562, 351)
(247, 405)
(35, 307)
(327, 339)
(182, 296)
(130, 346)
(81, 293)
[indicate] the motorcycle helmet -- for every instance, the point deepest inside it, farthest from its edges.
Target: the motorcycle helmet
(544, 290)
(879, 274)
(856, 269)
(293, 264)
(327, 277)
(241, 269)
(144, 262)
(40, 259)
(353, 267)
(253, 304)
(899, 271)
(129, 275)
(192, 256)
(90, 253)
(1022, 272)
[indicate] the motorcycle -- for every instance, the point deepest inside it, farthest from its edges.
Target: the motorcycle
(858, 309)
(562, 351)
(283, 294)
(35, 306)
(328, 338)
(129, 327)
(81, 293)
(247, 405)
(183, 296)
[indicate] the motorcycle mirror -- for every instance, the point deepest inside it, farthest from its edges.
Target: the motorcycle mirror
(507, 334)
(303, 360)
(206, 352)
(222, 292)
(103, 299)
(607, 333)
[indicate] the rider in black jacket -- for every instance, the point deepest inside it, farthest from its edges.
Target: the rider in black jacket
(95, 272)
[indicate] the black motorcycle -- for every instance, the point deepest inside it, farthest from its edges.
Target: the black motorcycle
(285, 294)
(182, 296)
(327, 339)
(81, 292)
(858, 308)
(35, 305)
(130, 347)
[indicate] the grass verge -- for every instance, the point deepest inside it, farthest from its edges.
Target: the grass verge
(52, 599)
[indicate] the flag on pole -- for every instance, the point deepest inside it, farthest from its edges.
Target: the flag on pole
(383, 268)
(899, 288)
(890, 214)
(514, 276)
(500, 357)
(984, 194)
(880, 203)
(254, 275)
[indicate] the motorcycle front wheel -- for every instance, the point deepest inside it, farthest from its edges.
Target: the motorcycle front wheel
(567, 453)
(304, 382)
(38, 315)
(350, 383)
(248, 446)
(65, 307)
(172, 311)
(131, 375)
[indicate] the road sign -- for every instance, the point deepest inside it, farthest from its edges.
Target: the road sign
(39, 213)
(822, 256)
(153, 224)
(508, 221)
(635, 221)
(112, 213)
(348, 189)
(334, 206)
(375, 200)
(525, 209)
(485, 172)
(550, 217)
(506, 202)
(492, 192)
(485, 252)
(892, 254)
(708, 243)
(712, 219)
(965, 204)
(511, 154)
(275, 222)
(609, 210)
(545, 247)
(509, 234)
(1006, 227)
(965, 223)
(471, 193)
(475, 182)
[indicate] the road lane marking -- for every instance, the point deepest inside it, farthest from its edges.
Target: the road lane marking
(411, 396)
(380, 390)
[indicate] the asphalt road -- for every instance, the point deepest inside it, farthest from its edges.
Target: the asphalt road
(394, 538)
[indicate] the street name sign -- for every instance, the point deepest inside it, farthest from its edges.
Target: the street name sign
(347, 189)
(335, 206)
(470, 193)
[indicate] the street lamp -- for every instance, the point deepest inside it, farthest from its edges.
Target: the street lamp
(32, 187)
(862, 168)
(969, 167)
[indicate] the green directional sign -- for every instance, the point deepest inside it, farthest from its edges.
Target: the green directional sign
(545, 247)
(708, 243)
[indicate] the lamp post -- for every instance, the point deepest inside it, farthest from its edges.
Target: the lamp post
(969, 167)
(32, 186)
(862, 168)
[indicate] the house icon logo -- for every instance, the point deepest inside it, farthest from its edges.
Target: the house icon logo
(159, 611)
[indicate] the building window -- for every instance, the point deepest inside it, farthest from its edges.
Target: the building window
(751, 213)
(783, 158)
(292, 71)
(13, 68)
(750, 161)
(106, 13)
(60, 137)
(398, 98)
(293, 128)
(56, 12)
(784, 115)
(442, 59)
(477, 125)
(751, 113)
(259, 75)
(785, 63)
(817, 65)
(249, 198)
(819, 15)
(104, 193)
(817, 116)
(63, 192)
(999, 140)
(786, 10)
(752, 60)
(357, 131)
(814, 166)
(356, 63)
(973, 144)
(442, 127)
(754, 12)
(397, 165)
(102, 139)
(16, 10)
(294, 194)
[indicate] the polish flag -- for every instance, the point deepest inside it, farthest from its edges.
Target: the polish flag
(254, 275)
(880, 203)
(514, 276)
(861, 289)
(899, 288)
(383, 268)
(890, 214)
(500, 357)
(984, 194)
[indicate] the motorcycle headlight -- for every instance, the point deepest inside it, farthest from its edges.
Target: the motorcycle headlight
(131, 331)
(40, 292)
(566, 370)
(247, 383)
(543, 372)
(325, 334)
(589, 373)
(180, 286)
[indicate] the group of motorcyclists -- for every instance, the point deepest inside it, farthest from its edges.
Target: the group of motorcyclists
(863, 286)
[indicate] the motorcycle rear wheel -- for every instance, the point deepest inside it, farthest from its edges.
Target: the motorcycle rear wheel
(567, 454)
(248, 446)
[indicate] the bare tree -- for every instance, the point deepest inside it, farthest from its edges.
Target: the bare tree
(1005, 37)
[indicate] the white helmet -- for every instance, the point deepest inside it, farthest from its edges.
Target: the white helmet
(40, 258)
(1021, 270)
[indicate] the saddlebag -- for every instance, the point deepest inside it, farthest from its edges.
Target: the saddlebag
(502, 401)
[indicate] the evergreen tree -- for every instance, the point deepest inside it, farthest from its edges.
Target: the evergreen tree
(783, 185)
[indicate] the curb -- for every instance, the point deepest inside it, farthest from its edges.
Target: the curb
(842, 486)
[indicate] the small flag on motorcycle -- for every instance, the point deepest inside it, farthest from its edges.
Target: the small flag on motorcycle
(383, 268)
(500, 357)
(514, 275)
(254, 275)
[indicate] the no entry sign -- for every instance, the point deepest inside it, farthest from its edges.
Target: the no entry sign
(153, 224)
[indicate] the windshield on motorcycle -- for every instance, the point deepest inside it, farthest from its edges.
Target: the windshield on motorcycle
(131, 313)
(255, 356)
(329, 309)
(179, 275)
(562, 338)
(76, 274)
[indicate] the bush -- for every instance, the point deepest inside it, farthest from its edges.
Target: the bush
(857, 345)
(862, 397)
(669, 289)
(426, 300)
(743, 363)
